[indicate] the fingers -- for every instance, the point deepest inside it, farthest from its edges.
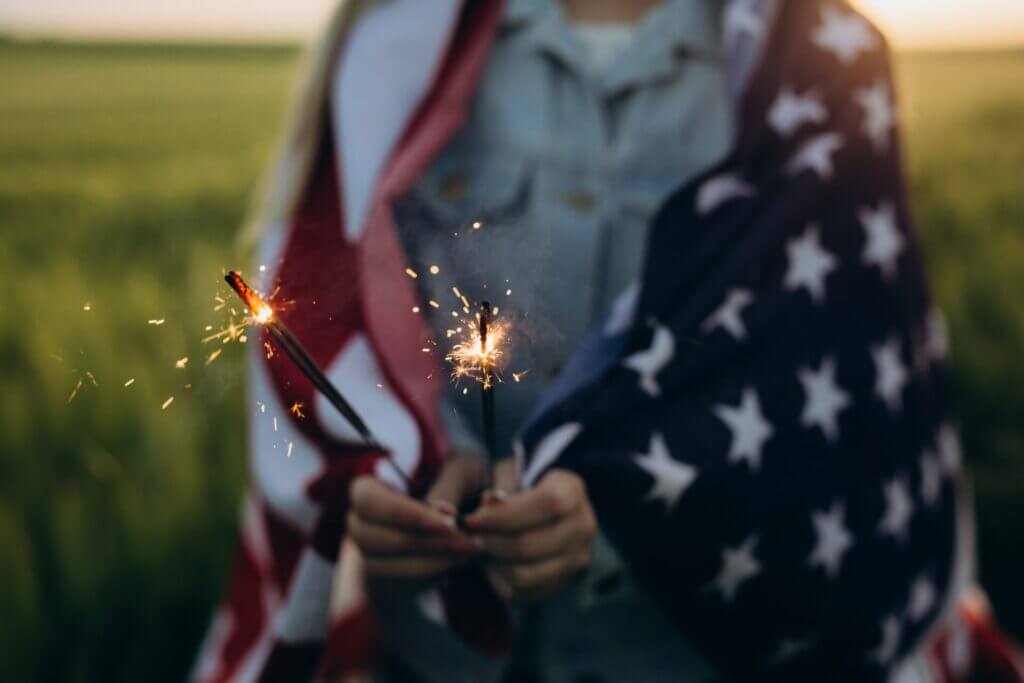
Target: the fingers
(558, 494)
(542, 542)
(409, 567)
(375, 502)
(380, 540)
(463, 475)
(506, 475)
(524, 582)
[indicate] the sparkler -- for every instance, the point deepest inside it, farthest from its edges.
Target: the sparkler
(263, 314)
(487, 391)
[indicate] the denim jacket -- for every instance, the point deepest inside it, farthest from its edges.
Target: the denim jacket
(561, 170)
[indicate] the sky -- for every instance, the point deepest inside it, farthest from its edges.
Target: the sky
(909, 23)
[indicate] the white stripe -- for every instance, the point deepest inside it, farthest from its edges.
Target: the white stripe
(358, 376)
(386, 68)
(548, 450)
(304, 616)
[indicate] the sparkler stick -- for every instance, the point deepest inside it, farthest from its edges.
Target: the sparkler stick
(487, 392)
(263, 314)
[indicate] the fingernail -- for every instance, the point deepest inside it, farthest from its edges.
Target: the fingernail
(447, 512)
(493, 496)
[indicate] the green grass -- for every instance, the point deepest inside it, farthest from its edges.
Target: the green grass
(125, 172)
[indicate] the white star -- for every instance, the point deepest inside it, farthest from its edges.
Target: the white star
(922, 598)
(890, 374)
(898, 510)
(833, 540)
(740, 17)
(788, 649)
(949, 448)
(738, 566)
(844, 35)
(791, 111)
(809, 264)
(824, 399)
(879, 114)
(931, 478)
(937, 335)
(886, 650)
(720, 189)
(650, 362)
(816, 155)
(729, 314)
(749, 429)
(671, 477)
(884, 241)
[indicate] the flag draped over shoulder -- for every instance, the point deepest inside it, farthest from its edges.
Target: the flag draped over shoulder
(762, 429)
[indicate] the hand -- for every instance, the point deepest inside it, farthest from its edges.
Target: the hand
(537, 540)
(403, 537)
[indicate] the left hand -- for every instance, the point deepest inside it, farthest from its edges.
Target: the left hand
(536, 540)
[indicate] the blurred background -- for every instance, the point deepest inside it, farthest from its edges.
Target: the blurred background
(132, 131)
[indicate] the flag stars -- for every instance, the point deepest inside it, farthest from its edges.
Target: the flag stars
(671, 477)
(824, 400)
(728, 316)
(931, 478)
(890, 642)
(884, 241)
(833, 539)
(816, 155)
(922, 598)
(809, 264)
(739, 565)
(890, 374)
(844, 34)
(790, 111)
(879, 114)
(648, 363)
(899, 508)
(750, 430)
(716, 191)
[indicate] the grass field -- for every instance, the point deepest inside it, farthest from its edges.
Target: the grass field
(124, 175)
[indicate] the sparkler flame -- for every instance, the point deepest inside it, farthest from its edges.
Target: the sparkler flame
(476, 356)
(259, 309)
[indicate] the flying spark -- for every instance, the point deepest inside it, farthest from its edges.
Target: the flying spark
(296, 410)
(167, 403)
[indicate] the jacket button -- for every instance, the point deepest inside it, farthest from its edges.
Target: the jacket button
(580, 201)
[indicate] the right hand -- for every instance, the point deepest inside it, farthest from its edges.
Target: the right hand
(403, 537)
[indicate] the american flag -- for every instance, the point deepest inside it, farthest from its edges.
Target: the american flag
(760, 426)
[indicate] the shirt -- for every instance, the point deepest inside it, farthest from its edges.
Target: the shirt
(540, 205)
(562, 167)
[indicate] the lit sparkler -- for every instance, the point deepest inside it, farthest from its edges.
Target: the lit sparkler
(477, 357)
(261, 313)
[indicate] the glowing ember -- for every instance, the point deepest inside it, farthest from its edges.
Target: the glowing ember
(156, 321)
(477, 225)
(411, 273)
(296, 410)
(130, 382)
(434, 304)
(87, 307)
(434, 270)
(213, 356)
(475, 360)
(259, 309)
(168, 402)
(181, 363)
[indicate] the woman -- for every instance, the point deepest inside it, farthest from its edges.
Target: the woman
(774, 492)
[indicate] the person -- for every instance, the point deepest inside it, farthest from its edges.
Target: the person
(731, 454)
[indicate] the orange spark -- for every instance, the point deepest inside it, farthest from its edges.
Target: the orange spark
(296, 410)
